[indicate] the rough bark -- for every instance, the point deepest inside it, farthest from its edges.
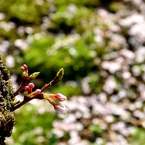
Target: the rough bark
(7, 120)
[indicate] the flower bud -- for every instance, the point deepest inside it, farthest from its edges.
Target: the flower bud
(24, 68)
(34, 75)
(35, 93)
(31, 85)
(57, 97)
(24, 75)
(28, 89)
(60, 108)
(60, 73)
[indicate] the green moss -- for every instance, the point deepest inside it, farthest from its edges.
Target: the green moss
(6, 93)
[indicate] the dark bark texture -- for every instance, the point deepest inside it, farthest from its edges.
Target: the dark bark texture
(7, 120)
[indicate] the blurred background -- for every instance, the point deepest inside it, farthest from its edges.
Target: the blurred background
(101, 46)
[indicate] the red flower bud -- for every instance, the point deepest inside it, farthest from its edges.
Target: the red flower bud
(35, 93)
(58, 97)
(24, 68)
(28, 89)
(31, 85)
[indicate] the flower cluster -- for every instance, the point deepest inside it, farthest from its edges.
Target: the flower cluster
(31, 93)
(53, 99)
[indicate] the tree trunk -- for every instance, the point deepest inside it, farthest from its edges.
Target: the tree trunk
(7, 120)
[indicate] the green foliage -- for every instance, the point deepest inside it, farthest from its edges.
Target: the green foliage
(138, 137)
(24, 11)
(21, 13)
(49, 54)
(66, 20)
(44, 56)
(68, 89)
(96, 129)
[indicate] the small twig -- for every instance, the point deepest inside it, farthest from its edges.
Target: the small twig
(50, 84)
(26, 99)
(38, 93)
(21, 87)
(21, 103)
(54, 82)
